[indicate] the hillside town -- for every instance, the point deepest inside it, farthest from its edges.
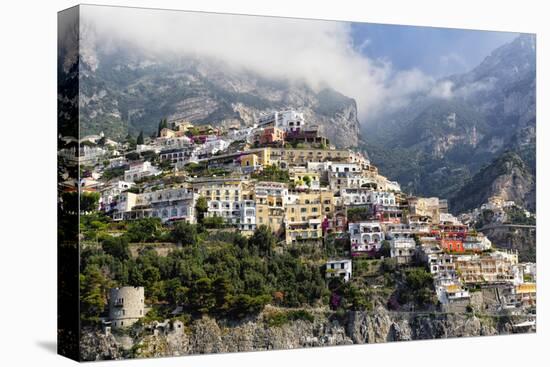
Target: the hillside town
(284, 175)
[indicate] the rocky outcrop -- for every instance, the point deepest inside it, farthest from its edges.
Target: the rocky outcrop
(207, 335)
(507, 177)
(510, 237)
(96, 346)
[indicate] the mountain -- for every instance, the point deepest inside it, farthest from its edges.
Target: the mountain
(439, 141)
(507, 176)
(123, 90)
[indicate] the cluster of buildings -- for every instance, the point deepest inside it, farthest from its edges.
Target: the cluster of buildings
(498, 208)
(319, 191)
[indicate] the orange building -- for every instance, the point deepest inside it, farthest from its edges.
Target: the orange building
(271, 135)
(452, 245)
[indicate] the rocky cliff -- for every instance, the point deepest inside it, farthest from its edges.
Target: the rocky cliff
(507, 177)
(207, 335)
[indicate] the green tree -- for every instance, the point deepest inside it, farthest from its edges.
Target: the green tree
(263, 240)
(89, 202)
(385, 249)
(245, 305)
(144, 230)
(213, 222)
(223, 291)
(130, 141)
(93, 289)
(140, 139)
(176, 293)
(184, 233)
(201, 296)
(201, 207)
(135, 275)
(163, 123)
(116, 247)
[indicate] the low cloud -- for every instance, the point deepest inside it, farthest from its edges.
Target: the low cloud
(318, 52)
(442, 90)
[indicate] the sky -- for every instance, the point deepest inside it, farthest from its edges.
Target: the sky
(435, 51)
(380, 66)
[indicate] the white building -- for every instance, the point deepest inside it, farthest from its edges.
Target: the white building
(365, 236)
(111, 191)
(355, 196)
(248, 215)
(449, 290)
(172, 204)
(477, 243)
(211, 146)
(341, 180)
(339, 269)
(138, 171)
(84, 154)
(392, 186)
(397, 230)
(244, 134)
(289, 121)
(345, 167)
(402, 249)
(381, 198)
(448, 218)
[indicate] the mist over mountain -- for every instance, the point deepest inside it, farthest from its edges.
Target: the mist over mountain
(437, 143)
(126, 92)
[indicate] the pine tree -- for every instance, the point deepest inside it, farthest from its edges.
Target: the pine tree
(163, 123)
(140, 138)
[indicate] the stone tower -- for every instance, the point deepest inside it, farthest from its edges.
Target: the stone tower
(126, 305)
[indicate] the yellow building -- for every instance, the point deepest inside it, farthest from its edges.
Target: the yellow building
(270, 200)
(224, 197)
(425, 207)
(272, 217)
(300, 157)
(526, 293)
(304, 214)
(167, 133)
(298, 176)
(249, 160)
(257, 157)
(497, 266)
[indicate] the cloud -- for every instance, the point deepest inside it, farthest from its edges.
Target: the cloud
(318, 52)
(442, 90)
